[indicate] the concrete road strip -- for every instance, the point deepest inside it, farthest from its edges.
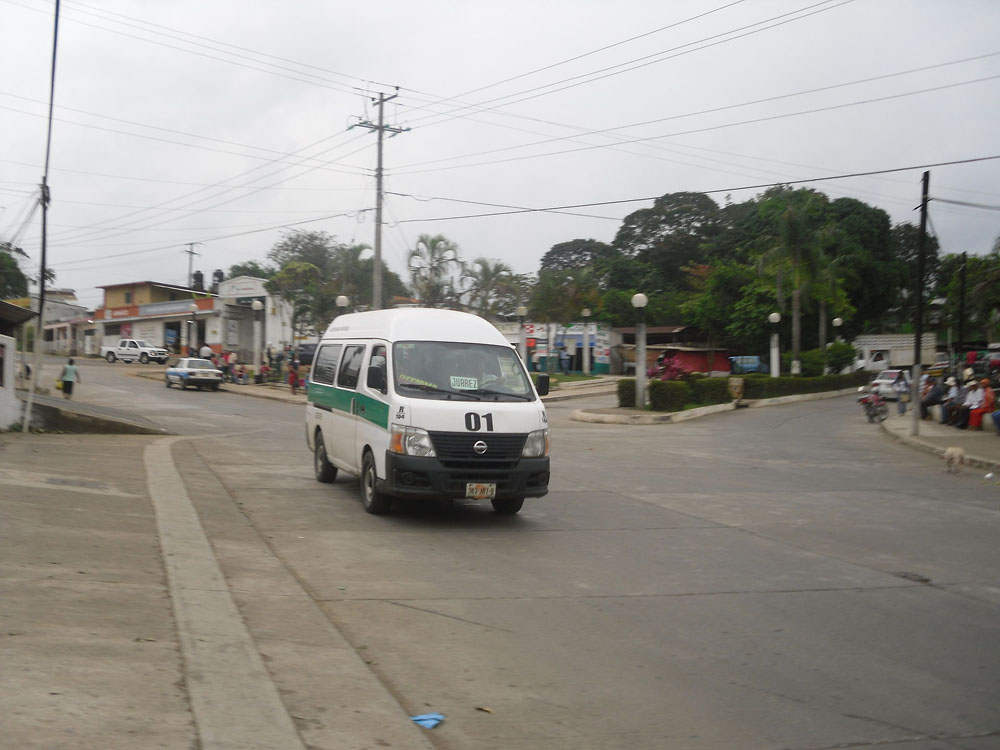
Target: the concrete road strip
(234, 700)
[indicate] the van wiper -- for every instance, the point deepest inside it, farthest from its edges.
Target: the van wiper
(434, 389)
(491, 392)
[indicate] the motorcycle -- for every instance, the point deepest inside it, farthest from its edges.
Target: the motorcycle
(874, 405)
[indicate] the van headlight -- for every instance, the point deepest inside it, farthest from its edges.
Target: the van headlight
(410, 441)
(537, 444)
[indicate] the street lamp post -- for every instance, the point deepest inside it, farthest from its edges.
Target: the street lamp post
(639, 302)
(774, 318)
(522, 344)
(837, 323)
(586, 340)
(256, 306)
(193, 327)
(342, 303)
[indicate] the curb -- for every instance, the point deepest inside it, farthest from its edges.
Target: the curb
(642, 417)
(970, 460)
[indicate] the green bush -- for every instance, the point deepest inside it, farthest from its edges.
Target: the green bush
(626, 393)
(839, 355)
(710, 390)
(668, 395)
(789, 386)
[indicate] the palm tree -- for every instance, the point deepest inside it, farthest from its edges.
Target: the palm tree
(431, 263)
(487, 281)
(797, 251)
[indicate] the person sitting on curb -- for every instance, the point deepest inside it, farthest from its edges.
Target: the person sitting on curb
(934, 396)
(956, 395)
(987, 406)
(973, 400)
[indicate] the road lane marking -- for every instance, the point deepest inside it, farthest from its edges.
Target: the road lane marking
(234, 700)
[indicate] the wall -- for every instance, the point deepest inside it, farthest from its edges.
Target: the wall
(10, 405)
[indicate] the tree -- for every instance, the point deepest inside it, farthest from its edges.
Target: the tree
(795, 249)
(670, 235)
(575, 254)
(432, 263)
(717, 289)
(486, 283)
(13, 282)
(251, 268)
(300, 285)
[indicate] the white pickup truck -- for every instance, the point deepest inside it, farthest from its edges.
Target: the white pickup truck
(130, 350)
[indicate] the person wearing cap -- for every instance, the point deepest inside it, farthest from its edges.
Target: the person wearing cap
(986, 407)
(954, 399)
(934, 396)
(973, 400)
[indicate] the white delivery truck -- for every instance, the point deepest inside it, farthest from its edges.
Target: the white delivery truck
(879, 351)
(426, 403)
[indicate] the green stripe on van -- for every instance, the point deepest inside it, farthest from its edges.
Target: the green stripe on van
(375, 411)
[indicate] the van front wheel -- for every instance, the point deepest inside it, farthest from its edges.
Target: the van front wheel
(325, 471)
(375, 502)
(507, 506)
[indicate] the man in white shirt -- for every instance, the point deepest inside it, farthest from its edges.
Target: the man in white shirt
(973, 400)
(205, 352)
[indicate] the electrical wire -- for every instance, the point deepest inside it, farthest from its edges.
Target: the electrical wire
(967, 203)
(760, 186)
(427, 199)
(723, 126)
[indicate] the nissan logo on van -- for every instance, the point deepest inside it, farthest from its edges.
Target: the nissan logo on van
(479, 447)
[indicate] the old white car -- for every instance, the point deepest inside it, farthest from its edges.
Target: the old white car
(199, 373)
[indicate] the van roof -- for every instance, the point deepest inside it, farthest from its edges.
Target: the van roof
(415, 324)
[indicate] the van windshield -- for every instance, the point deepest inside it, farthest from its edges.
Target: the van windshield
(445, 371)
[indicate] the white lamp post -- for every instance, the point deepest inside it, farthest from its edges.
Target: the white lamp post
(585, 312)
(342, 303)
(774, 318)
(837, 323)
(522, 344)
(193, 328)
(639, 302)
(256, 306)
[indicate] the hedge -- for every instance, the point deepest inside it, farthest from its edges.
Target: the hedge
(626, 393)
(668, 395)
(674, 395)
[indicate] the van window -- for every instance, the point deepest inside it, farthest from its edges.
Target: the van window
(350, 367)
(446, 370)
(324, 367)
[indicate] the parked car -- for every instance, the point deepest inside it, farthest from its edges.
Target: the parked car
(883, 383)
(306, 352)
(130, 350)
(197, 372)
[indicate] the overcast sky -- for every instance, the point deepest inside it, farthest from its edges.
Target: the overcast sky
(205, 120)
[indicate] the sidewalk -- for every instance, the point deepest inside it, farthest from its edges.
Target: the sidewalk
(982, 449)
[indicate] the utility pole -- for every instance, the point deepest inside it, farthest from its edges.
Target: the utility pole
(918, 323)
(381, 129)
(190, 254)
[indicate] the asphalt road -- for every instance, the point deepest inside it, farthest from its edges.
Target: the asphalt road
(773, 578)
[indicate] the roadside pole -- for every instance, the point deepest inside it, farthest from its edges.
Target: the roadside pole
(918, 323)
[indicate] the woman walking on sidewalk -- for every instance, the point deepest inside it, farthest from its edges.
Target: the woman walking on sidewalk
(70, 375)
(902, 389)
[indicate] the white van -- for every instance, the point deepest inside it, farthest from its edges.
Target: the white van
(425, 403)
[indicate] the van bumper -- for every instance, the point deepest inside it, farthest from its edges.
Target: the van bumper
(427, 477)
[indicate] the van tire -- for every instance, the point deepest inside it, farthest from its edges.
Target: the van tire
(325, 471)
(375, 502)
(507, 506)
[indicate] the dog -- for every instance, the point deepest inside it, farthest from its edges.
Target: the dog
(954, 457)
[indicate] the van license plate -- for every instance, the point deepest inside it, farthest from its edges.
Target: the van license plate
(480, 491)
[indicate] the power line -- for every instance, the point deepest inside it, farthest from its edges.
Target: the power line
(966, 203)
(427, 199)
(713, 110)
(723, 126)
(760, 186)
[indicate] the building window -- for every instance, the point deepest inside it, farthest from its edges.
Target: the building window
(113, 330)
(128, 298)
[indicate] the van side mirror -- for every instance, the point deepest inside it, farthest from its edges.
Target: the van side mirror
(376, 379)
(542, 386)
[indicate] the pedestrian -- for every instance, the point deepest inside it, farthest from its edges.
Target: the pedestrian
(973, 400)
(293, 374)
(902, 390)
(934, 396)
(205, 352)
(563, 360)
(69, 376)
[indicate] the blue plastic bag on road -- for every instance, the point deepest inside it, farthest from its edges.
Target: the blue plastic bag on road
(428, 721)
